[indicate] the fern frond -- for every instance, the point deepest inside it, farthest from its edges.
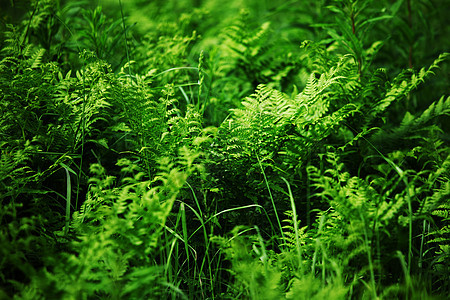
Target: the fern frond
(36, 58)
(439, 198)
(290, 238)
(403, 84)
(410, 125)
(441, 107)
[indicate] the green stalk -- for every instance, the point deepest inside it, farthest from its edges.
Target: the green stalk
(294, 219)
(126, 40)
(353, 22)
(184, 228)
(408, 198)
(271, 199)
(410, 47)
(205, 236)
(369, 258)
(68, 197)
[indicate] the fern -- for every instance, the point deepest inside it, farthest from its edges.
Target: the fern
(291, 241)
(253, 54)
(284, 129)
(440, 241)
(110, 258)
(441, 107)
(122, 97)
(403, 84)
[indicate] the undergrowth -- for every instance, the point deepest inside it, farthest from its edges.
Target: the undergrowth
(202, 150)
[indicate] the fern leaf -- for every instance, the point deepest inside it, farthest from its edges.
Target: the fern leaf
(441, 107)
(36, 58)
(403, 85)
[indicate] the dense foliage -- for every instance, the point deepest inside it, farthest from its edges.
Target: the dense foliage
(224, 149)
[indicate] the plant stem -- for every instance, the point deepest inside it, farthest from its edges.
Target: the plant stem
(271, 198)
(358, 58)
(68, 196)
(410, 64)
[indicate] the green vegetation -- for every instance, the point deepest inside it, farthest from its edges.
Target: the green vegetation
(240, 149)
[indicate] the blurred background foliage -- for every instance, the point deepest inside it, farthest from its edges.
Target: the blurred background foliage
(398, 34)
